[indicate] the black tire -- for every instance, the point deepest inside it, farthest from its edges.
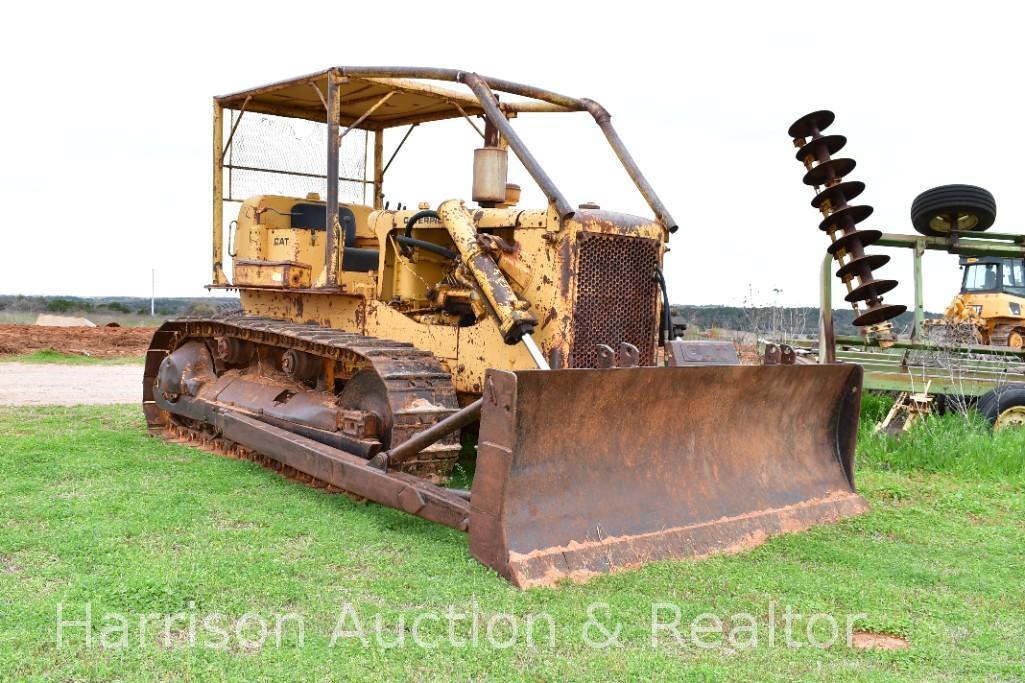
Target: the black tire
(996, 401)
(932, 211)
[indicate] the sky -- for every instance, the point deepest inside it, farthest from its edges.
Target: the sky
(105, 169)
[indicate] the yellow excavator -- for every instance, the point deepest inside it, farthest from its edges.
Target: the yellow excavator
(374, 341)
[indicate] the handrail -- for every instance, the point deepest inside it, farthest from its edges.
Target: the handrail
(604, 121)
(487, 100)
(559, 101)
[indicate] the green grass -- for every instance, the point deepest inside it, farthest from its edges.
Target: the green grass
(92, 511)
(51, 356)
(955, 444)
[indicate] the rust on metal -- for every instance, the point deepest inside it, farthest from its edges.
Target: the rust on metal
(405, 389)
(362, 353)
(604, 121)
(779, 354)
(512, 315)
(682, 353)
(624, 492)
(495, 116)
(346, 472)
(418, 442)
(840, 220)
(333, 243)
(616, 298)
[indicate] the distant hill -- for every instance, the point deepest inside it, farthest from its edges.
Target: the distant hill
(113, 305)
(770, 321)
(766, 320)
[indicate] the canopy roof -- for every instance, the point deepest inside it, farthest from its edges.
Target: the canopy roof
(382, 97)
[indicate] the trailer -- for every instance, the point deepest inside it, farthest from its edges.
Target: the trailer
(990, 377)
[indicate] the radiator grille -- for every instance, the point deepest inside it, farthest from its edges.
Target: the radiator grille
(616, 297)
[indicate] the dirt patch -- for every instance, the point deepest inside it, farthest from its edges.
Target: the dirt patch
(224, 524)
(31, 384)
(8, 565)
(98, 342)
(866, 640)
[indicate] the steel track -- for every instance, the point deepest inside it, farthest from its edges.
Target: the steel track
(413, 379)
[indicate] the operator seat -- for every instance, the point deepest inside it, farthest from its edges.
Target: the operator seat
(356, 259)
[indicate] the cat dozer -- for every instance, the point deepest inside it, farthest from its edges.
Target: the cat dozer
(375, 341)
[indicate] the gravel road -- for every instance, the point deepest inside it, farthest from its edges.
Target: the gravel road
(34, 384)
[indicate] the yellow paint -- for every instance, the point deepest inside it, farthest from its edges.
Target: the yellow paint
(991, 312)
(395, 301)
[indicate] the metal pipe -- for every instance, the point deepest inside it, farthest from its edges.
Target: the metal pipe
(421, 440)
(333, 240)
(510, 311)
(468, 120)
(535, 93)
(234, 127)
(535, 352)
(365, 114)
(427, 246)
(218, 199)
(346, 471)
(299, 174)
(320, 95)
(827, 331)
(497, 118)
(457, 420)
(604, 121)
(436, 74)
(1002, 352)
(666, 322)
(993, 244)
(379, 168)
(523, 107)
(396, 152)
(918, 330)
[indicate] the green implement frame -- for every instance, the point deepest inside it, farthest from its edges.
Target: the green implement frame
(909, 365)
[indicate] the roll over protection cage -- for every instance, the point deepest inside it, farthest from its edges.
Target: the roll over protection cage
(280, 99)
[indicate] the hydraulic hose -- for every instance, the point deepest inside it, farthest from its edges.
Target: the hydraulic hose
(419, 215)
(665, 324)
(408, 234)
(414, 243)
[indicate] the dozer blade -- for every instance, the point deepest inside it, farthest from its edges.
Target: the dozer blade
(581, 472)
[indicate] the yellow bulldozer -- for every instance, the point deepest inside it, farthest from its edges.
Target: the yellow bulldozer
(375, 341)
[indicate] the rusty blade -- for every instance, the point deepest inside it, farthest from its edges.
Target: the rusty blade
(582, 472)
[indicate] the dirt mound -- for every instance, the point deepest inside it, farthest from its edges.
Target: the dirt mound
(99, 342)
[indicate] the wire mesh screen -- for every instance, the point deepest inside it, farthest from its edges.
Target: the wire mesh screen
(277, 155)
